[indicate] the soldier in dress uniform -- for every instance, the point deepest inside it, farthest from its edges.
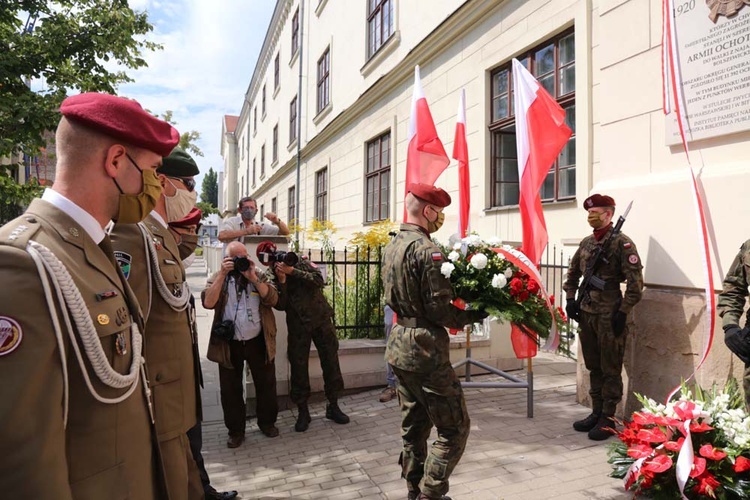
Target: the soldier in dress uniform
(731, 305)
(418, 347)
(158, 279)
(603, 316)
(74, 411)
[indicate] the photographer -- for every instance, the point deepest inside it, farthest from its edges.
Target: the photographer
(244, 319)
(309, 318)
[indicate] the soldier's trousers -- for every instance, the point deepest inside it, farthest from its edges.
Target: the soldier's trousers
(298, 351)
(603, 355)
(180, 470)
(427, 399)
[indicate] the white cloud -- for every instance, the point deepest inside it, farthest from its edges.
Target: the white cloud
(210, 50)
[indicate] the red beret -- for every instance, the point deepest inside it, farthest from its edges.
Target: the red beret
(598, 200)
(122, 119)
(264, 247)
(193, 218)
(430, 194)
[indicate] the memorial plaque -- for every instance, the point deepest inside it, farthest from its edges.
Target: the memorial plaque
(714, 56)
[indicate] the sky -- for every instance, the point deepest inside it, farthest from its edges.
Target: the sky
(210, 51)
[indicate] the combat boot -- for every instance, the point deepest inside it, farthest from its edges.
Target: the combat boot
(303, 418)
(333, 412)
(587, 423)
(603, 428)
(422, 496)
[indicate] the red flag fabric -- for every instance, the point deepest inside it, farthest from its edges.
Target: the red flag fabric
(541, 133)
(426, 158)
(524, 342)
(461, 153)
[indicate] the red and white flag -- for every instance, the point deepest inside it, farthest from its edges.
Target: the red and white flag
(541, 134)
(426, 158)
(461, 153)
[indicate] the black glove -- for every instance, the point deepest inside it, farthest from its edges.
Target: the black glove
(735, 339)
(571, 309)
(478, 315)
(619, 319)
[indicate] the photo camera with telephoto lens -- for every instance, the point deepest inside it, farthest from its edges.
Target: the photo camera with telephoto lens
(288, 258)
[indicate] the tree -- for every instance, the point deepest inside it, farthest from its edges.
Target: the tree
(206, 208)
(210, 188)
(187, 139)
(67, 44)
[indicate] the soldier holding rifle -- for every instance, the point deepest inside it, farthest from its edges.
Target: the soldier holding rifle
(604, 260)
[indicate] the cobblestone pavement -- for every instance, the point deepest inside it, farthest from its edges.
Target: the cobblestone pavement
(508, 456)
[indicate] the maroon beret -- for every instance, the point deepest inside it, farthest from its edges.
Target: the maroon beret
(431, 194)
(598, 200)
(263, 248)
(193, 218)
(122, 119)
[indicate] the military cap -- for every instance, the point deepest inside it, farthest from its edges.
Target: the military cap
(598, 200)
(262, 248)
(178, 164)
(431, 194)
(122, 119)
(193, 218)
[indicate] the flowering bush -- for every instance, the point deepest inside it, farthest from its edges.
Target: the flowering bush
(486, 280)
(719, 431)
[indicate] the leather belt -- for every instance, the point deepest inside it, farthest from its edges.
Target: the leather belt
(612, 285)
(413, 322)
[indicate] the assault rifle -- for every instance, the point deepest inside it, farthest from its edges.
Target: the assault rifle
(591, 280)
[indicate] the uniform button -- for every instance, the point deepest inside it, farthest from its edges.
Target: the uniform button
(158, 377)
(31, 219)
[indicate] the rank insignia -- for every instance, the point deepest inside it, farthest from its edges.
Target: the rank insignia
(124, 260)
(10, 335)
(103, 319)
(121, 345)
(73, 231)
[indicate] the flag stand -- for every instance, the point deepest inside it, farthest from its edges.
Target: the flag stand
(513, 382)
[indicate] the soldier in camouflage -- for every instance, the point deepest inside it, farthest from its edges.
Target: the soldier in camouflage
(603, 316)
(731, 305)
(417, 350)
(309, 317)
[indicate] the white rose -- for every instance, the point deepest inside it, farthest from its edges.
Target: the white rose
(446, 269)
(499, 281)
(508, 273)
(457, 245)
(479, 261)
(494, 241)
(454, 256)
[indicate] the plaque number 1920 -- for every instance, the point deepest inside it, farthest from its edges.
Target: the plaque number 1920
(685, 7)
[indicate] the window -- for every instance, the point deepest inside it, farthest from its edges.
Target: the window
(263, 102)
(293, 120)
(275, 151)
(378, 178)
(324, 66)
(273, 205)
(253, 171)
(292, 204)
(321, 194)
(242, 149)
(263, 161)
(255, 119)
(553, 64)
(262, 212)
(276, 67)
(379, 24)
(295, 32)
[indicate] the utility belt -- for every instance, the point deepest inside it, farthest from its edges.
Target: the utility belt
(596, 283)
(414, 322)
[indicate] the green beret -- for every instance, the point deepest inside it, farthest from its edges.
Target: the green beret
(178, 164)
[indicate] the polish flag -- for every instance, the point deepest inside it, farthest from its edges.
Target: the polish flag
(461, 153)
(426, 158)
(541, 134)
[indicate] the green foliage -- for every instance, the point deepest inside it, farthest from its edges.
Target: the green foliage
(207, 208)
(187, 139)
(210, 188)
(13, 196)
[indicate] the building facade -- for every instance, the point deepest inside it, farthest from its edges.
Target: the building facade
(331, 91)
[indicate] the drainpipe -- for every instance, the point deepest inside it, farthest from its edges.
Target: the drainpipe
(299, 117)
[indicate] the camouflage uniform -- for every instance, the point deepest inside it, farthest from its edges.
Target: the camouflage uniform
(309, 317)
(417, 350)
(732, 299)
(603, 352)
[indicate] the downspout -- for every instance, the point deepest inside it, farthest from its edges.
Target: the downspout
(299, 119)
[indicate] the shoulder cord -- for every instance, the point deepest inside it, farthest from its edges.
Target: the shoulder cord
(176, 303)
(69, 296)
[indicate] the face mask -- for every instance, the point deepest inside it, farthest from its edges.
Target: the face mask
(249, 213)
(596, 220)
(135, 207)
(179, 205)
(433, 226)
(187, 246)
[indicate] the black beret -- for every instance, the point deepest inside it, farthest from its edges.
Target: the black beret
(598, 200)
(178, 164)
(430, 194)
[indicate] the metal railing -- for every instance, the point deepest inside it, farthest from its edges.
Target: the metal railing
(553, 270)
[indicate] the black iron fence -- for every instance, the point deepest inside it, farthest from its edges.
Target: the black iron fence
(553, 270)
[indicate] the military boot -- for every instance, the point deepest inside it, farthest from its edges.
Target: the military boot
(587, 423)
(303, 418)
(422, 496)
(603, 428)
(333, 412)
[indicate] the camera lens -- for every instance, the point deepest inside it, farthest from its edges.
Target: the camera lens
(241, 264)
(290, 259)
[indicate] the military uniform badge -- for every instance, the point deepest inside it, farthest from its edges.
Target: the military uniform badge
(10, 335)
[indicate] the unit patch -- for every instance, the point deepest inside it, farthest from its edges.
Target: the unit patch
(633, 259)
(10, 335)
(124, 260)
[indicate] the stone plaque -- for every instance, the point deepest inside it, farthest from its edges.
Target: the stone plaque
(714, 56)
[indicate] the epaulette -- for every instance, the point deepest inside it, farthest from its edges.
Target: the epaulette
(19, 231)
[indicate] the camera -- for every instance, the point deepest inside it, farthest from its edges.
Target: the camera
(241, 264)
(288, 258)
